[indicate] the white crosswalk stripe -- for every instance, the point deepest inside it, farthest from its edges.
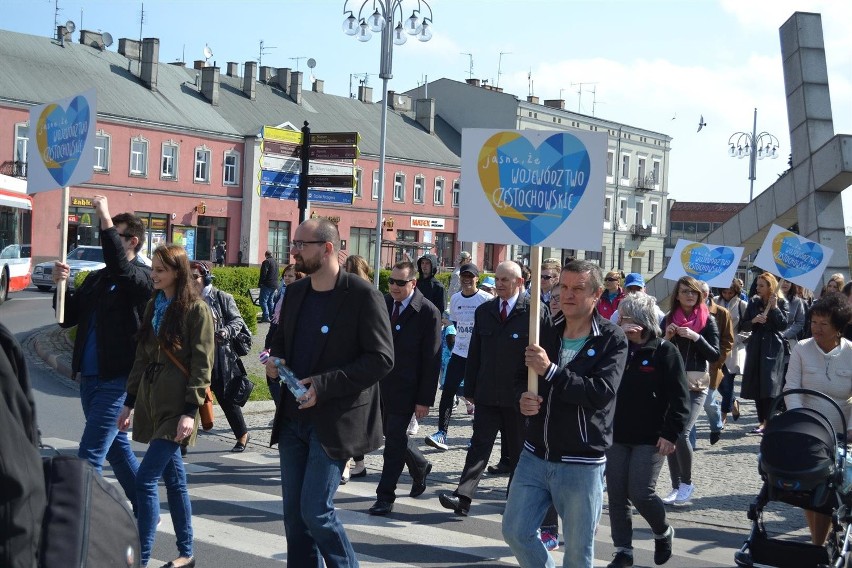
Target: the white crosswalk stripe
(478, 537)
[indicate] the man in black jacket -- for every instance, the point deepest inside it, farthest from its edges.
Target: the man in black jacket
(107, 309)
(410, 386)
(427, 267)
(500, 336)
(268, 283)
(579, 363)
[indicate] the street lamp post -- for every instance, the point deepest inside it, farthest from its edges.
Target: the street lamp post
(381, 21)
(754, 146)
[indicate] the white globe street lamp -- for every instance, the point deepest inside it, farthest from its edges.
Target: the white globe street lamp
(754, 146)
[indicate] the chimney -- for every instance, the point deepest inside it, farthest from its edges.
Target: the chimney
(399, 101)
(265, 74)
(474, 82)
(198, 64)
(532, 99)
(426, 114)
(130, 48)
(150, 56)
(319, 86)
(296, 87)
(233, 69)
(555, 103)
(92, 39)
(210, 84)
(283, 79)
(249, 86)
(62, 34)
(365, 94)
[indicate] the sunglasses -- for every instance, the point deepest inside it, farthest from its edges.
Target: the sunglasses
(127, 236)
(611, 279)
(396, 282)
(547, 277)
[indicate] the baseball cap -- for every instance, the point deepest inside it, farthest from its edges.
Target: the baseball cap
(634, 279)
(469, 267)
(488, 282)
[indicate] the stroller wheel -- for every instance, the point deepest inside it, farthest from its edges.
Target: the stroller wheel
(743, 559)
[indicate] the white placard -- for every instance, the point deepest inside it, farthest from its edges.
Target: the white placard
(793, 258)
(714, 264)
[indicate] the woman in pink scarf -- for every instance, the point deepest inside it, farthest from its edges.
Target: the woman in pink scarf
(691, 329)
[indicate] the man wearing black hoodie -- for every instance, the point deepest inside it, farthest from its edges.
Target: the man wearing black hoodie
(427, 267)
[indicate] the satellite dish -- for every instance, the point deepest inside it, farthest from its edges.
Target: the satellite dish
(208, 53)
(400, 100)
(107, 37)
(312, 63)
(70, 26)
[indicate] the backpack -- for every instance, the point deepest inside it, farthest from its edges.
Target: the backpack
(87, 522)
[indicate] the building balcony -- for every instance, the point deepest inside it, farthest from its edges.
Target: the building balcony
(645, 183)
(641, 231)
(16, 168)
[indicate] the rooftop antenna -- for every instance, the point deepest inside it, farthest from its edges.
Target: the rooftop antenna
(530, 82)
(141, 21)
(208, 53)
(311, 64)
(365, 81)
(580, 94)
(69, 29)
(56, 20)
(264, 49)
(595, 101)
(500, 66)
(297, 59)
(470, 65)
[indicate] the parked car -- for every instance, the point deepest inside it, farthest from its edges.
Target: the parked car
(82, 258)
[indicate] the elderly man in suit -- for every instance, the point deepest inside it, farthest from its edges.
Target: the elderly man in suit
(411, 385)
(334, 334)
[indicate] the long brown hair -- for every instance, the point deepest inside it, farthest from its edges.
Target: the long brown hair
(171, 329)
(356, 264)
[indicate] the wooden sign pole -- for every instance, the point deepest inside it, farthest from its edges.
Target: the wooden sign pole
(63, 256)
(535, 309)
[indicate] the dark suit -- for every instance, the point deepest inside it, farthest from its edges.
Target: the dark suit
(351, 351)
(413, 380)
(496, 354)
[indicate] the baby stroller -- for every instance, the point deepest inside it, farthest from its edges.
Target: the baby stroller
(802, 462)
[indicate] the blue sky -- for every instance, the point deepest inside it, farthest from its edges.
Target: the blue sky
(655, 64)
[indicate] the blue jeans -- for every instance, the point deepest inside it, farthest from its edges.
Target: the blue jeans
(577, 493)
(266, 301)
(726, 389)
(163, 460)
(309, 479)
(102, 402)
(714, 415)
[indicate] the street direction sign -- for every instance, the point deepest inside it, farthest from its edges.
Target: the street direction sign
(272, 177)
(335, 138)
(347, 181)
(334, 152)
(277, 163)
(281, 164)
(282, 148)
(282, 135)
(331, 169)
(314, 194)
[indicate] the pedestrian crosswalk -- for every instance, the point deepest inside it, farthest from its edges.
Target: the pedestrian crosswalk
(237, 510)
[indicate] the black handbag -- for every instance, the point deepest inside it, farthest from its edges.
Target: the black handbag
(240, 386)
(241, 343)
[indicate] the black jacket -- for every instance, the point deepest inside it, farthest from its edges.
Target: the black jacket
(575, 421)
(763, 371)
(22, 494)
(496, 354)
(416, 356)
(429, 286)
(227, 317)
(116, 295)
(268, 273)
(698, 355)
(653, 398)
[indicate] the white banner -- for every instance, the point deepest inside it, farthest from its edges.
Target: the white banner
(793, 258)
(714, 264)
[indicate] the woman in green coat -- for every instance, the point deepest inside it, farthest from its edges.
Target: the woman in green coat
(166, 387)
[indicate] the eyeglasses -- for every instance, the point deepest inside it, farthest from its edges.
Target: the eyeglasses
(611, 279)
(196, 277)
(547, 276)
(688, 292)
(396, 282)
(299, 245)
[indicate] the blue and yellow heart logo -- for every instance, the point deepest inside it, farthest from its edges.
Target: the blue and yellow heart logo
(61, 137)
(703, 263)
(794, 256)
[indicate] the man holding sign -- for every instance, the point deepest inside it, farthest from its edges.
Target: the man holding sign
(579, 363)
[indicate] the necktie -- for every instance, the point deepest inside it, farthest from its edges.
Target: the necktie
(504, 311)
(395, 314)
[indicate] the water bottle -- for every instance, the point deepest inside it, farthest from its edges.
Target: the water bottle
(289, 380)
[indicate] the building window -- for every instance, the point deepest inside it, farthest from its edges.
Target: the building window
(610, 163)
(622, 211)
(231, 174)
(654, 209)
(438, 196)
(22, 138)
(641, 169)
(625, 166)
(202, 165)
(168, 168)
(455, 193)
(399, 187)
(139, 157)
(444, 243)
(404, 252)
(361, 242)
(278, 239)
(639, 219)
(594, 256)
(359, 175)
(419, 183)
(607, 208)
(656, 171)
(650, 261)
(603, 256)
(375, 184)
(620, 258)
(210, 230)
(101, 152)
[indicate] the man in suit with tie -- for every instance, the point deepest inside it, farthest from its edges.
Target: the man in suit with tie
(410, 386)
(500, 335)
(335, 336)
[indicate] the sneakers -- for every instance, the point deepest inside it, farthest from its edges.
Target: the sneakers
(621, 559)
(670, 498)
(438, 440)
(684, 493)
(470, 408)
(549, 539)
(413, 426)
(663, 546)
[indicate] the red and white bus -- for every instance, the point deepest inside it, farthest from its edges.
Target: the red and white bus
(16, 214)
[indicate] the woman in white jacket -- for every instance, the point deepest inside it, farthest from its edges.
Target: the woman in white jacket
(730, 299)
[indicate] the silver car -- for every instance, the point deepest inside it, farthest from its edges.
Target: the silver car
(82, 258)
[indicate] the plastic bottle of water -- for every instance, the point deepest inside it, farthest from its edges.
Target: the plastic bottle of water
(289, 380)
